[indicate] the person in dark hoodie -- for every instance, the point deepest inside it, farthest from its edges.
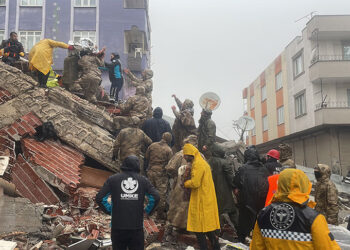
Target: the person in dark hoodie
(128, 190)
(251, 182)
(115, 76)
(155, 127)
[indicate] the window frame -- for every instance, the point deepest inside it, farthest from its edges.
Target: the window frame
(348, 96)
(265, 123)
(252, 103)
(24, 43)
(31, 5)
(280, 115)
(3, 4)
(81, 36)
(263, 93)
(253, 132)
(345, 44)
(297, 96)
(82, 5)
(3, 35)
(125, 4)
(278, 76)
(299, 54)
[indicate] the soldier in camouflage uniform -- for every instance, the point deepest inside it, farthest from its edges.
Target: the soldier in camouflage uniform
(158, 156)
(206, 130)
(286, 153)
(137, 105)
(131, 141)
(184, 124)
(145, 82)
(326, 194)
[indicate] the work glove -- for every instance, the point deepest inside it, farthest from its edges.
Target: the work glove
(70, 47)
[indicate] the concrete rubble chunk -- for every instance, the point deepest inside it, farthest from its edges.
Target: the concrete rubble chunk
(7, 245)
(92, 177)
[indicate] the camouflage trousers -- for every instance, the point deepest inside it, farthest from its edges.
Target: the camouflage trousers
(159, 180)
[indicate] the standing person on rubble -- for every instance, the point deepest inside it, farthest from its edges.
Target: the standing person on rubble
(326, 194)
(40, 58)
(252, 184)
(115, 76)
(128, 190)
(12, 49)
(157, 157)
(145, 81)
(288, 223)
(136, 106)
(131, 141)
(203, 216)
(206, 130)
(272, 164)
(184, 124)
(155, 127)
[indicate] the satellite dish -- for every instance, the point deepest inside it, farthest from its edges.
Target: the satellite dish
(210, 101)
(246, 123)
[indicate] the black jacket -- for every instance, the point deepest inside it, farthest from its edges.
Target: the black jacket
(128, 190)
(251, 180)
(12, 47)
(155, 127)
(273, 166)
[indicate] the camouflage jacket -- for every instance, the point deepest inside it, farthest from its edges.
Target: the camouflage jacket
(206, 133)
(184, 126)
(89, 65)
(147, 84)
(130, 141)
(174, 164)
(158, 154)
(136, 106)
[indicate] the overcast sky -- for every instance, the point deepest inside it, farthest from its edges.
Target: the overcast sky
(222, 46)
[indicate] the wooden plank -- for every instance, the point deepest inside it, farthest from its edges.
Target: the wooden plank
(92, 177)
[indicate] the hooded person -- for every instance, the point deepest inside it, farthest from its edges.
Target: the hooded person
(115, 76)
(288, 223)
(128, 190)
(206, 130)
(286, 154)
(251, 182)
(155, 127)
(326, 194)
(203, 215)
(145, 81)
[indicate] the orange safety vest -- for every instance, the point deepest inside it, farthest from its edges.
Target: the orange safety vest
(273, 181)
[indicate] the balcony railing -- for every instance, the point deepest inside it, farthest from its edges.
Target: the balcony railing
(337, 104)
(329, 58)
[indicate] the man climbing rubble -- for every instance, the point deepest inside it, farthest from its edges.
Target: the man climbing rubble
(145, 81)
(157, 157)
(11, 49)
(131, 141)
(326, 194)
(206, 130)
(184, 124)
(136, 106)
(128, 190)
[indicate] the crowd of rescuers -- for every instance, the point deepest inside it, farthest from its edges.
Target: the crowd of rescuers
(184, 175)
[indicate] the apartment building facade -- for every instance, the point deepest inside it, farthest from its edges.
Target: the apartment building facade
(310, 109)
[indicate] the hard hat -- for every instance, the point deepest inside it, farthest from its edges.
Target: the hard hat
(274, 154)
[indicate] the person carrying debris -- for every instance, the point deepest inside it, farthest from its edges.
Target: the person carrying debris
(12, 49)
(155, 127)
(251, 182)
(137, 106)
(40, 58)
(157, 157)
(288, 223)
(203, 216)
(131, 141)
(206, 130)
(145, 81)
(326, 194)
(115, 76)
(128, 190)
(184, 124)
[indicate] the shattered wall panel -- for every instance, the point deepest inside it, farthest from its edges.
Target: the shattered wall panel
(6, 144)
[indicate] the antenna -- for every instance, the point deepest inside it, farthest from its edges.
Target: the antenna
(309, 16)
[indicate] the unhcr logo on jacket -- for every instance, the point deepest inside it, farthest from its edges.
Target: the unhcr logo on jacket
(129, 187)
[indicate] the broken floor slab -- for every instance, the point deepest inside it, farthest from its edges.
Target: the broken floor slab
(92, 177)
(7, 245)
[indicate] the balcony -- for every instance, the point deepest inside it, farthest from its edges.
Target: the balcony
(329, 27)
(330, 67)
(335, 113)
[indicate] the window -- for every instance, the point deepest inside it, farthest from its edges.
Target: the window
(2, 35)
(77, 35)
(2, 2)
(134, 41)
(84, 3)
(265, 123)
(300, 105)
(134, 4)
(298, 64)
(348, 97)
(263, 93)
(346, 51)
(280, 115)
(31, 2)
(29, 38)
(278, 79)
(253, 132)
(252, 104)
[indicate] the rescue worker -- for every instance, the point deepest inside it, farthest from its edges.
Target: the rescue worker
(184, 124)
(131, 141)
(286, 153)
(91, 76)
(251, 182)
(12, 49)
(40, 58)
(223, 180)
(326, 194)
(203, 216)
(288, 223)
(272, 163)
(145, 81)
(115, 76)
(155, 127)
(206, 130)
(128, 190)
(137, 106)
(157, 156)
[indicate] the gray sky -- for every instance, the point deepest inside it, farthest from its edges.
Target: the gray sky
(222, 46)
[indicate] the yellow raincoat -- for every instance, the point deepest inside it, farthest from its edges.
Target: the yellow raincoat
(294, 187)
(203, 215)
(40, 56)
